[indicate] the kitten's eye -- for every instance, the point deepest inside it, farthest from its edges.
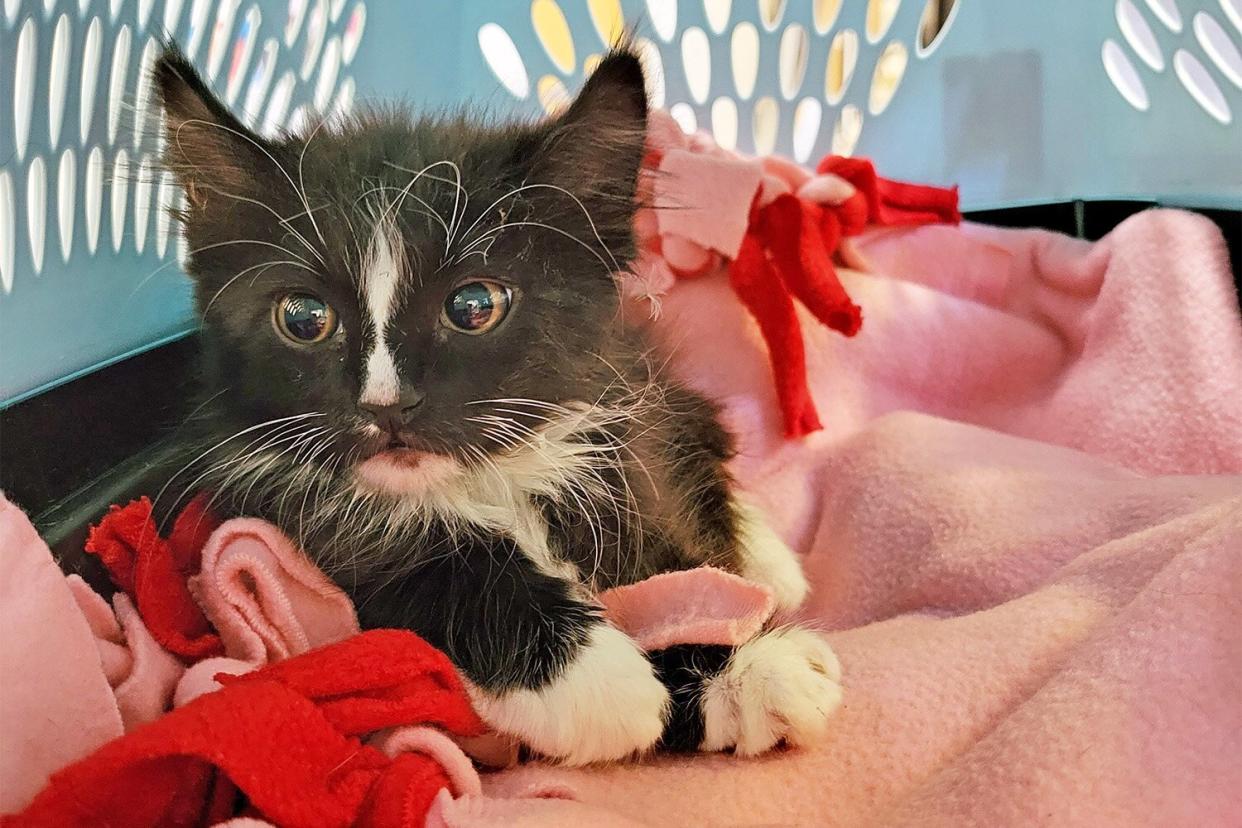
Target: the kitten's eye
(477, 307)
(303, 318)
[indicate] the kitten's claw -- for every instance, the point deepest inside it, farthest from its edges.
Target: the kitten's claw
(780, 685)
(606, 705)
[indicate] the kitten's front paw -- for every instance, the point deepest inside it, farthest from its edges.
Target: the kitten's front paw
(780, 685)
(606, 705)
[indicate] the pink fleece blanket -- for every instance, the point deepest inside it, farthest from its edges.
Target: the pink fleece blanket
(1033, 578)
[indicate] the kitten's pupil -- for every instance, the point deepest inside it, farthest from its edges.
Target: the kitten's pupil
(304, 318)
(477, 307)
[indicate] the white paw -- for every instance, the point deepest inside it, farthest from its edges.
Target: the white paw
(606, 705)
(765, 559)
(781, 685)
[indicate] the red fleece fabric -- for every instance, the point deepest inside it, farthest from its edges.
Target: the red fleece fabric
(152, 571)
(282, 742)
(787, 253)
(891, 203)
(758, 285)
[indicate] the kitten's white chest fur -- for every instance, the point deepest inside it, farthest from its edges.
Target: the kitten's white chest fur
(496, 494)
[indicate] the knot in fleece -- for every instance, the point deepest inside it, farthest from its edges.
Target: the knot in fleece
(776, 228)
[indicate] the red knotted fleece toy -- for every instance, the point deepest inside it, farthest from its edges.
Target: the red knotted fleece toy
(283, 743)
(787, 253)
(152, 571)
(778, 228)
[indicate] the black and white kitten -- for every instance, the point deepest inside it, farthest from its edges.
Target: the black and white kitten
(415, 365)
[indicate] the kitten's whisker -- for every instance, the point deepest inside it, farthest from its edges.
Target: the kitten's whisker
(217, 446)
(296, 441)
(262, 267)
(284, 222)
(231, 437)
(460, 196)
(142, 282)
(297, 191)
(458, 217)
(522, 401)
(396, 205)
(240, 465)
(307, 213)
(554, 229)
(616, 267)
(449, 228)
(325, 477)
(301, 189)
(512, 436)
(633, 455)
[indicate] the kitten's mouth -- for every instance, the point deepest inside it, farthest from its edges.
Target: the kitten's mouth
(398, 450)
(396, 442)
(399, 454)
(394, 447)
(400, 469)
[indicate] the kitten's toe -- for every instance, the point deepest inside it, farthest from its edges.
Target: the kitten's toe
(780, 686)
(606, 705)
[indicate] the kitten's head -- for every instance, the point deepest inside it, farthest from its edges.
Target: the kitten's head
(389, 279)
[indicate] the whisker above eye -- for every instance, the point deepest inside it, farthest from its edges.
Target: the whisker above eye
(266, 266)
(302, 263)
(611, 269)
(301, 188)
(429, 212)
(299, 191)
(416, 175)
(536, 186)
(284, 222)
(460, 197)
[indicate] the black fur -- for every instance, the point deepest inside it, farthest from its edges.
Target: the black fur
(266, 217)
(496, 616)
(684, 669)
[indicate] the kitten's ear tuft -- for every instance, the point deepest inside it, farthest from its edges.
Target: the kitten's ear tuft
(597, 144)
(205, 146)
(616, 91)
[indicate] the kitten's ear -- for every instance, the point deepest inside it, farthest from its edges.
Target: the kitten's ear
(205, 146)
(597, 144)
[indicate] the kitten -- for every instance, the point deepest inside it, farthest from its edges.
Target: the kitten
(414, 364)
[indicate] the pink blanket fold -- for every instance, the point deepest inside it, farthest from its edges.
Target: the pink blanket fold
(1035, 586)
(1029, 636)
(43, 629)
(1033, 579)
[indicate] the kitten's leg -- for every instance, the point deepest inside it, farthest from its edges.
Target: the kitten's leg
(781, 685)
(685, 670)
(765, 559)
(542, 664)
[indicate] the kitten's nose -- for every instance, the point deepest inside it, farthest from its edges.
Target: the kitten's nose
(394, 417)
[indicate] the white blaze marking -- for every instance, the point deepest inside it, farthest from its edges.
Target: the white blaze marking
(380, 276)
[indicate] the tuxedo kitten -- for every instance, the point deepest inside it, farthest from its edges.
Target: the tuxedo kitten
(415, 365)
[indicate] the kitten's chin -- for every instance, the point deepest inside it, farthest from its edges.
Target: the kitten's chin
(405, 471)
